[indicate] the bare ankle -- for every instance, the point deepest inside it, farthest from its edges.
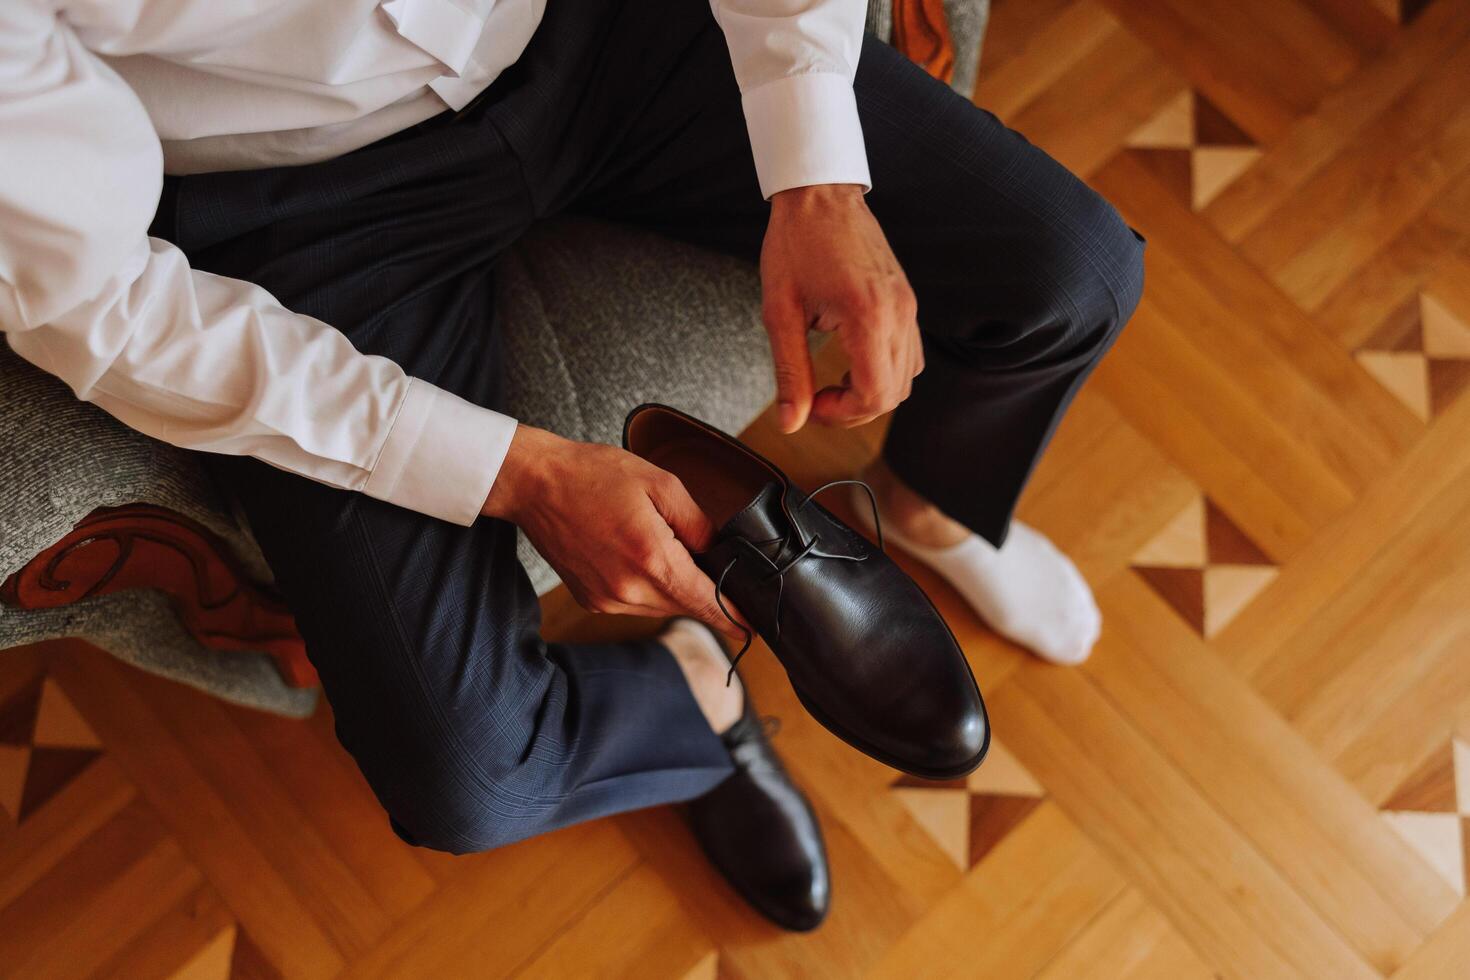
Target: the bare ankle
(909, 514)
(705, 671)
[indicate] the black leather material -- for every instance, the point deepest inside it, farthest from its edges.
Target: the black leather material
(760, 831)
(866, 651)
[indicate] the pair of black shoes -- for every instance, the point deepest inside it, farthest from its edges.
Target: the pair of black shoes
(866, 651)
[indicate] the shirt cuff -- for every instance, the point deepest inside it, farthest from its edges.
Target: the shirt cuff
(804, 130)
(441, 455)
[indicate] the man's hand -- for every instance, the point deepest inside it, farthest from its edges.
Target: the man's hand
(826, 266)
(617, 529)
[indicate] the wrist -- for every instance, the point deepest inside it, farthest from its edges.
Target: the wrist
(516, 481)
(796, 199)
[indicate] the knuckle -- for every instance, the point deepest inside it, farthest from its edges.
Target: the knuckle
(663, 483)
(623, 589)
(661, 573)
(673, 486)
(908, 304)
(647, 557)
(786, 374)
(860, 297)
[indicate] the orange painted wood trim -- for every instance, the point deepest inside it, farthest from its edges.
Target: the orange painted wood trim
(139, 546)
(921, 33)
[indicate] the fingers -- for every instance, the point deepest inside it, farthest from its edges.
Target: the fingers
(886, 353)
(677, 579)
(693, 592)
(787, 327)
(846, 405)
(683, 516)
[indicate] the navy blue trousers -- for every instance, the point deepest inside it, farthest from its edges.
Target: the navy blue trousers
(472, 731)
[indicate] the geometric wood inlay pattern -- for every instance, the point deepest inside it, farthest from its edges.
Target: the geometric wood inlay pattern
(1421, 354)
(1204, 566)
(1194, 148)
(968, 817)
(1431, 810)
(44, 745)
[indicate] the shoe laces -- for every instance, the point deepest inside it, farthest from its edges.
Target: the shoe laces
(779, 572)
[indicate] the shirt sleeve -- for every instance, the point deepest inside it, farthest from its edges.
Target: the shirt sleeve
(795, 61)
(197, 360)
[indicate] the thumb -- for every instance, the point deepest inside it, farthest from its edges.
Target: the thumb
(786, 326)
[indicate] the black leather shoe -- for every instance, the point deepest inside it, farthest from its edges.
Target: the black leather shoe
(866, 651)
(759, 830)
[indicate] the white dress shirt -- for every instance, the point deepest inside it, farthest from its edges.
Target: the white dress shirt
(99, 97)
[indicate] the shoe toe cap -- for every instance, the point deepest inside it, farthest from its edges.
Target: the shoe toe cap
(798, 905)
(954, 739)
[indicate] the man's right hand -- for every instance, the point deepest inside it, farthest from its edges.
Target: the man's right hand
(617, 529)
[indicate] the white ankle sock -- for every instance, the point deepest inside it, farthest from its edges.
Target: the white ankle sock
(1026, 590)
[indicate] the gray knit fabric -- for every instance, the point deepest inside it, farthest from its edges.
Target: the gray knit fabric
(64, 458)
(967, 22)
(880, 19)
(597, 319)
(600, 318)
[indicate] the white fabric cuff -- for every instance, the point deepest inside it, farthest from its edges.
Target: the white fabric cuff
(804, 130)
(441, 455)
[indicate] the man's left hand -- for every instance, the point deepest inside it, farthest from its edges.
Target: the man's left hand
(826, 265)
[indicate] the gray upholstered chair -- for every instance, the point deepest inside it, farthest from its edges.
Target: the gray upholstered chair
(687, 331)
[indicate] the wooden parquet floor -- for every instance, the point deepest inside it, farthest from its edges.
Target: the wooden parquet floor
(1264, 771)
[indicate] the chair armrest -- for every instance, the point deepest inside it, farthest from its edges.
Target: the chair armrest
(65, 458)
(967, 22)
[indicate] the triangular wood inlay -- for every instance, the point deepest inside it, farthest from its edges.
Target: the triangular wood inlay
(18, 715)
(1404, 373)
(1002, 773)
(1439, 839)
(1213, 128)
(213, 960)
(944, 814)
(1181, 542)
(59, 724)
(1174, 169)
(14, 761)
(249, 961)
(49, 773)
(708, 967)
(1227, 544)
(1447, 382)
(1465, 850)
(1462, 777)
(1401, 331)
(1182, 588)
(916, 782)
(1229, 589)
(1431, 787)
(1172, 127)
(992, 817)
(1445, 335)
(1215, 167)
